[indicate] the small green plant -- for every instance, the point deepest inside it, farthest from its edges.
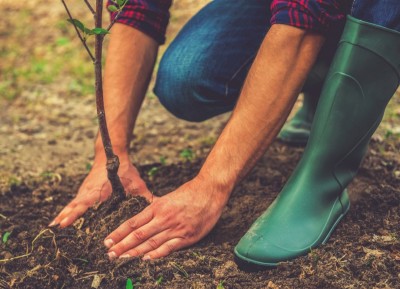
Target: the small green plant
(152, 172)
(129, 284)
(163, 160)
(14, 181)
(6, 236)
(159, 280)
(221, 285)
(88, 167)
(388, 133)
(187, 154)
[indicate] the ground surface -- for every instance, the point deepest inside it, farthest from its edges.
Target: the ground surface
(47, 126)
(364, 252)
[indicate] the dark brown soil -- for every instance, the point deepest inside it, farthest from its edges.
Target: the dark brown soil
(364, 251)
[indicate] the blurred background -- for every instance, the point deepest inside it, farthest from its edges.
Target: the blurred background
(47, 106)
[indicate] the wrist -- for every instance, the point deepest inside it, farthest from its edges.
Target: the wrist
(100, 155)
(120, 150)
(218, 189)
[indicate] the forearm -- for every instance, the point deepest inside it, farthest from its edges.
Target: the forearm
(271, 88)
(130, 60)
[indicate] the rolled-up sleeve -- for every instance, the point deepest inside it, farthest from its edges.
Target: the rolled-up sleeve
(148, 16)
(315, 15)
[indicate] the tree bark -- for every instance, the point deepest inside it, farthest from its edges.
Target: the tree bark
(112, 159)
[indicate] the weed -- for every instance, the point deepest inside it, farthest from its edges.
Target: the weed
(159, 280)
(221, 285)
(6, 236)
(187, 154)
(129, 284)
(88, 167)
(163, 160)
(152, 172)
(14, 181)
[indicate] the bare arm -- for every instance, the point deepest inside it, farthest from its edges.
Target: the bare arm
(186, 215)
(266, 100)
(130, 61)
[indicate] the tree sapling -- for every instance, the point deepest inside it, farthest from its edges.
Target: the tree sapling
(99, 32)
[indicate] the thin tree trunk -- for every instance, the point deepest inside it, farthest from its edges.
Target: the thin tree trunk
(112, 159)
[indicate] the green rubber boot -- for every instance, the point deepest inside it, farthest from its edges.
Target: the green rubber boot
(364, 75)
(297, 130)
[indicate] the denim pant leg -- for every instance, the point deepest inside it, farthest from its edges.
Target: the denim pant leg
(381, 12)
(203, 69)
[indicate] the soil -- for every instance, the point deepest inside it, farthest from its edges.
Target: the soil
(364, 251)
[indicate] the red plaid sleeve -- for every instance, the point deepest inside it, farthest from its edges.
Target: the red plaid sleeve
(315, 15)
(148, 16)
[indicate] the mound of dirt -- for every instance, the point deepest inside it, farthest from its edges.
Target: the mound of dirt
(364, 252)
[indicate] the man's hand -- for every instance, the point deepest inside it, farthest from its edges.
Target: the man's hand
(96, 189)
(169, 223)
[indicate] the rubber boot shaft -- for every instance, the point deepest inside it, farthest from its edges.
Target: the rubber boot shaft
(363, 77)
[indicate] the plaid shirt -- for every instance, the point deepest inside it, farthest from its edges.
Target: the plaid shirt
(148, 16)
(152, 16)
(315, 15)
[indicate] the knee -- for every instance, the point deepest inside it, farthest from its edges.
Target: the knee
(178, 87)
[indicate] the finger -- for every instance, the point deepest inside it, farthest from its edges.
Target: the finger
(135, 238)
(149, 245)
(128, 226)
(166, 249)
(73, 215)
(64, 212)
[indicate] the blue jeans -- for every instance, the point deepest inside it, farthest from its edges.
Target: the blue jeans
(203, 70)
(382, 12)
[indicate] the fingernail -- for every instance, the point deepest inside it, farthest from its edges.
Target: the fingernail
(53, 223)
(63, 222)
(112, 256)
(125, 256)
(108, 243)
(147, 257)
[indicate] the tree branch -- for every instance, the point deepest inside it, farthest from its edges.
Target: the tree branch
(116, 16)
(77, 31)
(90, 7)
(114, 20)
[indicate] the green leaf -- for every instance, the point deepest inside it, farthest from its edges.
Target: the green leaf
(152, 172)
(163, 160)
(159, 280)
(6, 236)
(187, 154)
(121, 2)
(88, 31)
(129, 284)
(77, 23)
(112, 8)
(99, 31)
